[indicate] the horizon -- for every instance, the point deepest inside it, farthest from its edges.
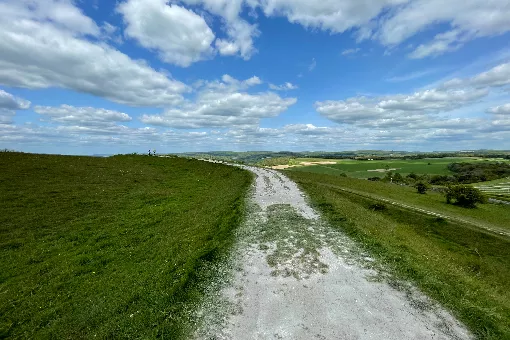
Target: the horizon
(91, 77)
(267, 151)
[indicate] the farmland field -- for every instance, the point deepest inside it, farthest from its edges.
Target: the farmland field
(498, 189)
(105, 247)
(360, 169)
(466, 269)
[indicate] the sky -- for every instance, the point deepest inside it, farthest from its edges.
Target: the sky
(121, 76)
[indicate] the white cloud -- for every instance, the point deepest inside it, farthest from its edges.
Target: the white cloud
(62, 13)
(392, 22)
(179, 35)
(10, 102)
(6, 116)
(82, 116)
(467, 19)
(497, 76)
(500, 110)
(411, 76)
(226, 47)
(350, 51)
(444, 42)
(312, 65)
(443, 117)
(239, 32)
(329, 15)
(349, 111)
(112, 33)
(222, 104)
(284, 87)
(38, 50)
(397, 109)
(432, 100)
(230, 84)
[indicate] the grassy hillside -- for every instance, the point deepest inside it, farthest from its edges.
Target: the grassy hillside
(465, 268)
(105, 247)
(490, 215)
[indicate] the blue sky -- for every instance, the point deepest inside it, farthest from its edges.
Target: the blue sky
(87, 77)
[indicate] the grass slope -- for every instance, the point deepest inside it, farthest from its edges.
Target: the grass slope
(490, 215)
(466, 269)
(105, 247)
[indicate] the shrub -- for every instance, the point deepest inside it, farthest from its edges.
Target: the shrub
(412, 175)
(393, 177)
(464, 196)
(378, 207)
(421, 187)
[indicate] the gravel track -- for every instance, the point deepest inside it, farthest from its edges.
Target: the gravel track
(291, 276)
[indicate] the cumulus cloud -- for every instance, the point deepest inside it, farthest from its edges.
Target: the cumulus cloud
(81, 116)
(223, 104)
(284, 87)
(10, 102)
(397, 109)
(495, 77)
(41, 50)
(431, 116)
(500, 110)
(239, 32)
(179, 35)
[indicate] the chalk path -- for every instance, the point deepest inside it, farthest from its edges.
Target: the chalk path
(294, 277)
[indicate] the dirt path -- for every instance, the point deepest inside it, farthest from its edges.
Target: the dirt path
(294, 277)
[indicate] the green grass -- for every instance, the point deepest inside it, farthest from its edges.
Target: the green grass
(107, 247)
(489, 215)
(359, 169)
(464, 268)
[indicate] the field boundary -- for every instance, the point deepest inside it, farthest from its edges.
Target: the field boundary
(416, 209)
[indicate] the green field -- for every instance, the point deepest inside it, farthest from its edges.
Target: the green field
(465, 268)
(359, 169)
(107, 247)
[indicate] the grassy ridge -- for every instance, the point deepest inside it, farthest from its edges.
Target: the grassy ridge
(104, 246)
(467, 270)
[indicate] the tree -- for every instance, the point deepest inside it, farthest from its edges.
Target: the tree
(421, 187)
(464, 196)
(397, 178)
